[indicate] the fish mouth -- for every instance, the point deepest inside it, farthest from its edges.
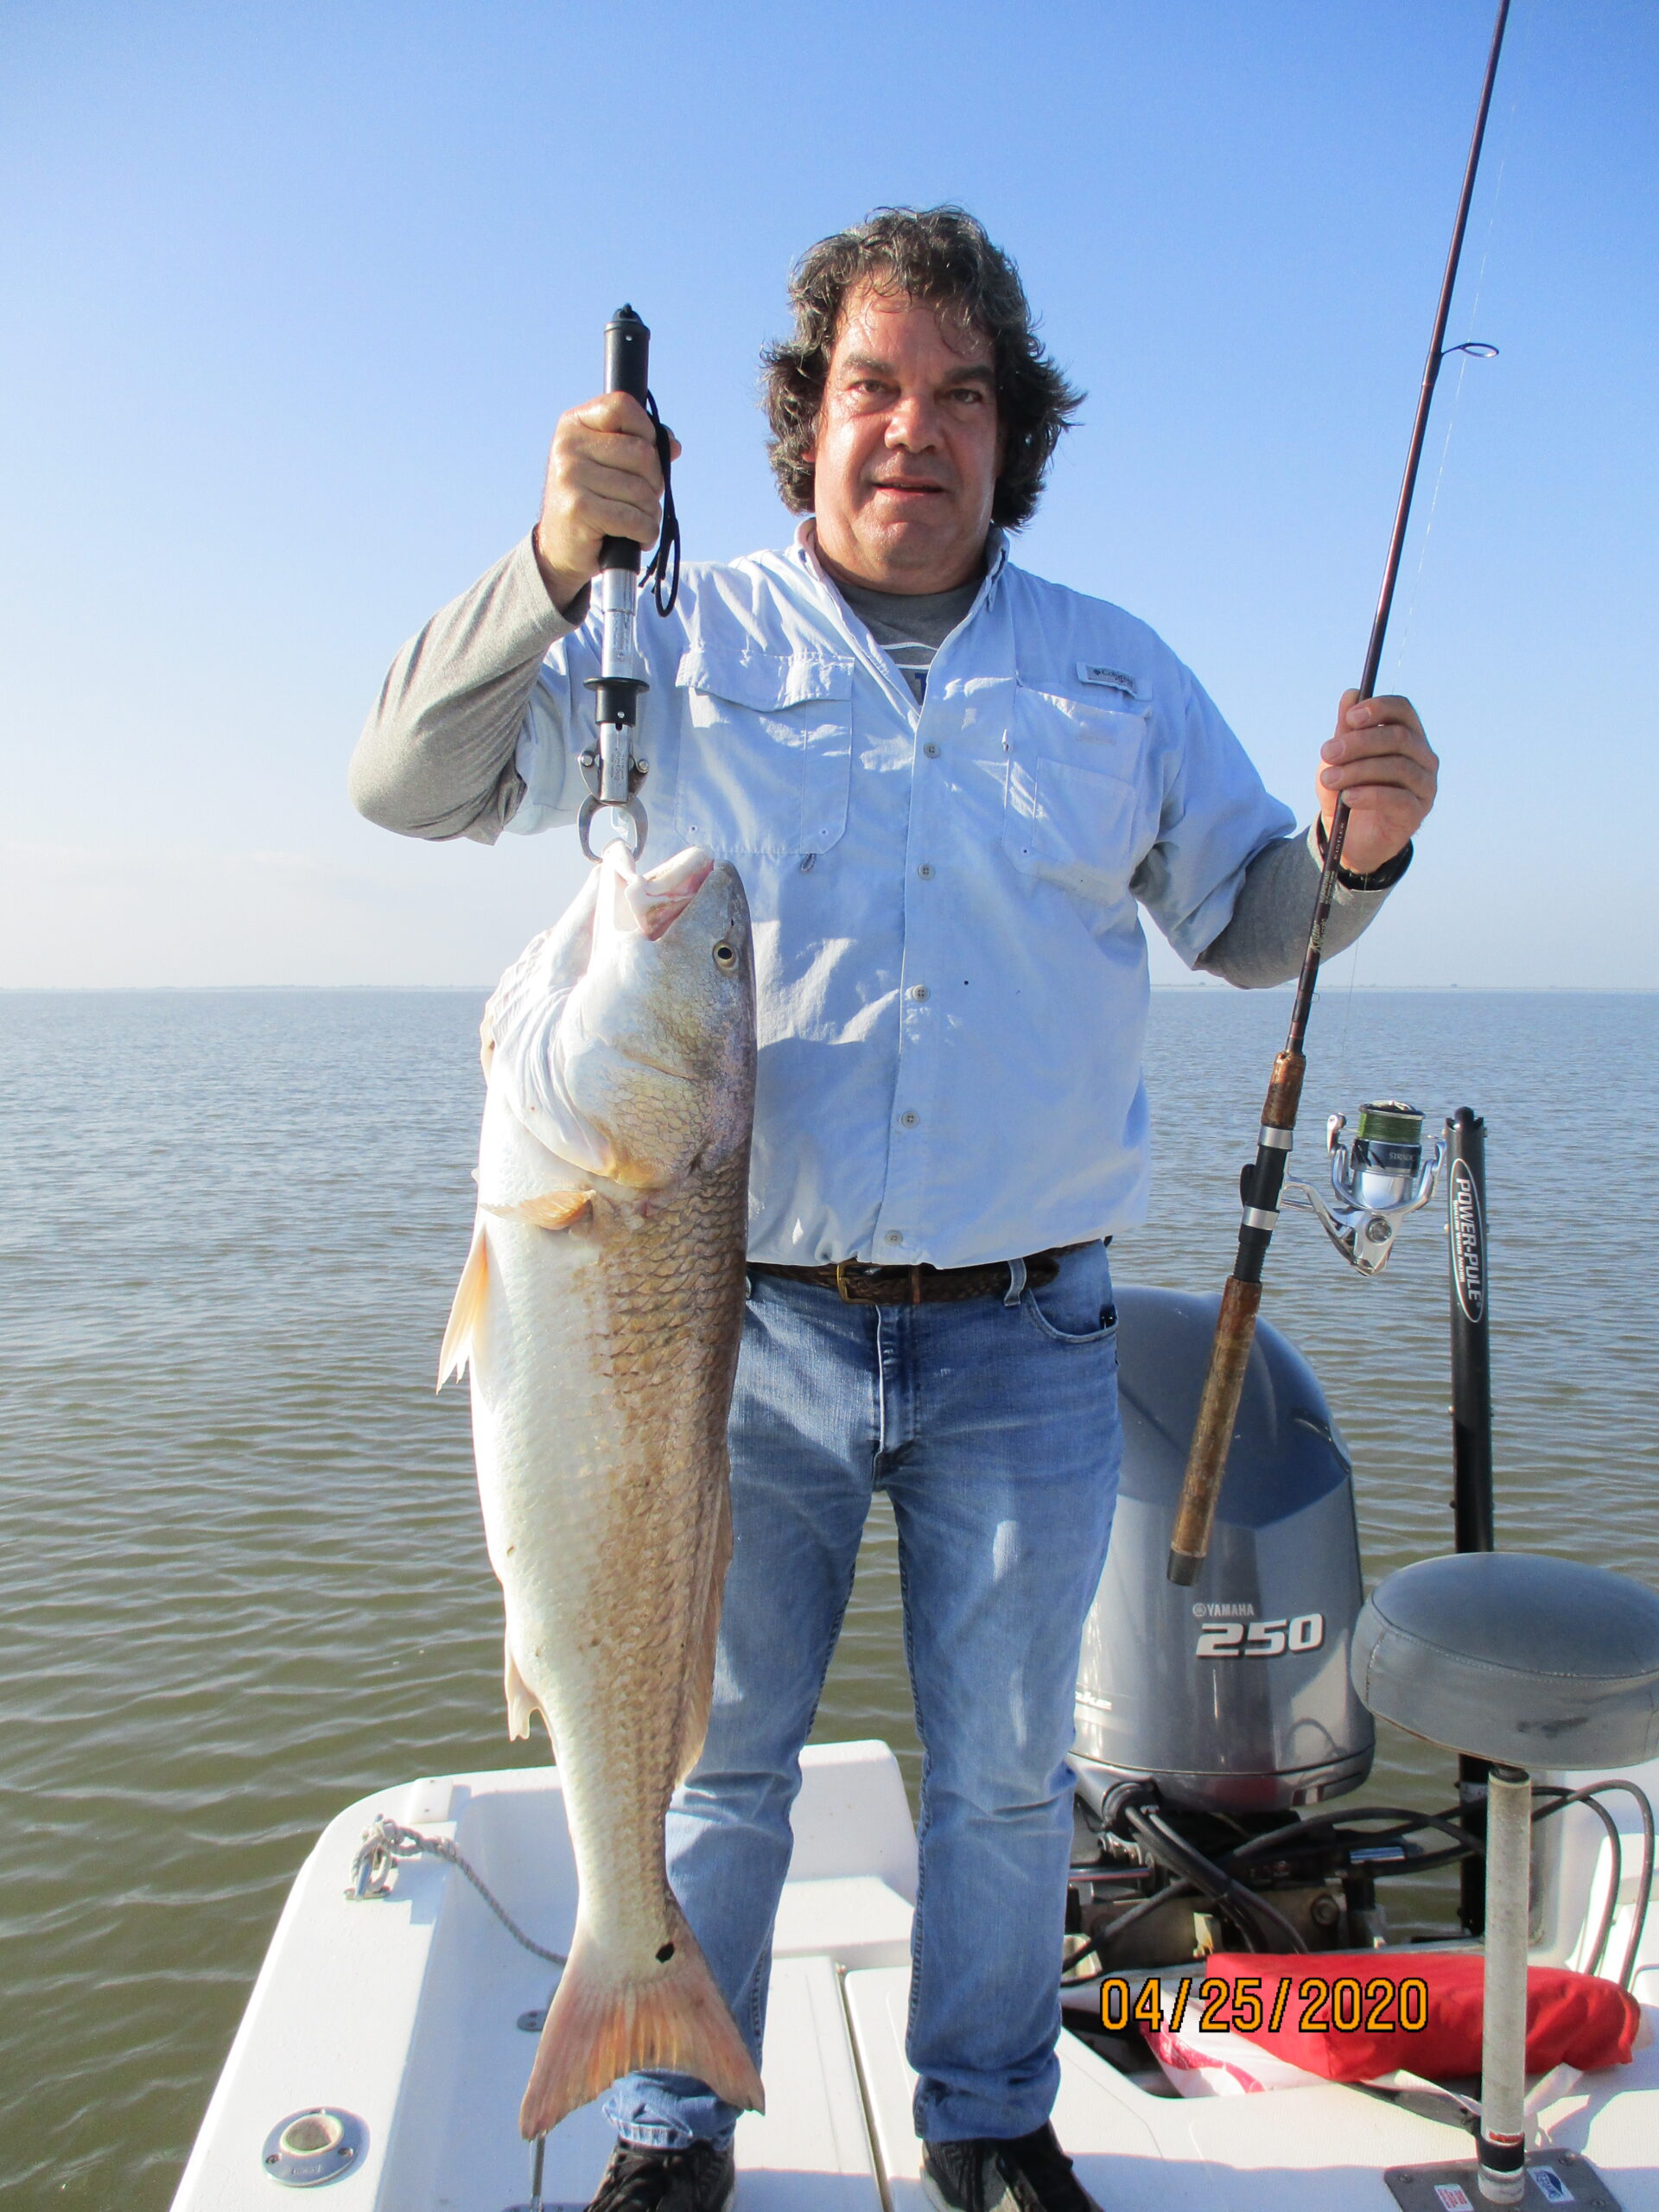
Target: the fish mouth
(652, 903)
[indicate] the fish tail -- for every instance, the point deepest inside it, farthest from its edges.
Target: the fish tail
(603, 2024)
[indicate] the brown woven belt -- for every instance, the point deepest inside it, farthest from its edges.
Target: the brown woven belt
(864, 1285)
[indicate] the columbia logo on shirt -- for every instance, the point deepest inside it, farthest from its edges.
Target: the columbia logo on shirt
(1114, 679)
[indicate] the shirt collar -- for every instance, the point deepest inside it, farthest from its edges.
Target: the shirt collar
(804, 556)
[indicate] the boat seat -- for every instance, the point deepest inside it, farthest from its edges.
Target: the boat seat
(1527, 1661)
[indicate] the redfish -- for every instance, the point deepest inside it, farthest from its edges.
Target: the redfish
(599, 1312)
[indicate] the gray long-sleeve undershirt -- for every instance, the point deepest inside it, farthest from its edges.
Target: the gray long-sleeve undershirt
(435, 757)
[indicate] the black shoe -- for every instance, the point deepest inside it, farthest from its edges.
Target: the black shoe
(1030, 2173)
(700, 2178)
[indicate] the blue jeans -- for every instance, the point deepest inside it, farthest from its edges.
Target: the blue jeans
(992, 1426)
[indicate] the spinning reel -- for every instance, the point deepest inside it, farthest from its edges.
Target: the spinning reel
(1384, 1174)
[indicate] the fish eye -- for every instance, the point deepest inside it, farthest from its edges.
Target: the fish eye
(724, 957)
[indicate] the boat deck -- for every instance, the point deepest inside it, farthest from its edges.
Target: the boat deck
(405, 2013)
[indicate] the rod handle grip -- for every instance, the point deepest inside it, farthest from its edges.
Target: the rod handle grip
(627, 368)
(1212, 1436)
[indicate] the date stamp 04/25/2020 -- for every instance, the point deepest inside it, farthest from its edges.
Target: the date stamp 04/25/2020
(1311, 2004)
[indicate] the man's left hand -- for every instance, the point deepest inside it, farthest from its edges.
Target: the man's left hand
(1380, 760)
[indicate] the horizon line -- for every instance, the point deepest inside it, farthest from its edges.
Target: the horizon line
(204, 990)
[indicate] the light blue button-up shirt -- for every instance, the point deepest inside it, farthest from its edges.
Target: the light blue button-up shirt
(951, 962)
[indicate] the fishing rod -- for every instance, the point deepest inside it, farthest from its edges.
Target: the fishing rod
(1261, 1181)
(613, 773)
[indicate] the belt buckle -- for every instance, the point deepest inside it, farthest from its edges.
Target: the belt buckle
(850, 1297)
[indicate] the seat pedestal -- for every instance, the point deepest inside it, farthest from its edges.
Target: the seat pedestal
(1504, 2034)
(1502, 2177)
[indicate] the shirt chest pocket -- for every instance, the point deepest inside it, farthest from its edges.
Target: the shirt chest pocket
(1072, 811)
(765, 748)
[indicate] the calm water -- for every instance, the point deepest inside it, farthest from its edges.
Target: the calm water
(243, 1575)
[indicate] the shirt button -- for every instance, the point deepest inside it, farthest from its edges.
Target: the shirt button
(926, 870)
(893, 1237)
(931, 750)
(909, 1121)
(918, 990)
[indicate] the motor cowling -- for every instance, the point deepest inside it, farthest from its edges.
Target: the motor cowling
(1231, 1693)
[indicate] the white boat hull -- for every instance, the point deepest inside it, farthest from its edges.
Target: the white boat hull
(404, 2013)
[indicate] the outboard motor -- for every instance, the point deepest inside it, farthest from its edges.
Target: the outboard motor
(1231, 1696)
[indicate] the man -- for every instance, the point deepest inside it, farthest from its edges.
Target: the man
(946, 784)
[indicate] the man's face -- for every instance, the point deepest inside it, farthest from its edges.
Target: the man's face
(907, 449)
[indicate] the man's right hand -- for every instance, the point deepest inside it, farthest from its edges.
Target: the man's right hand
(602, 481)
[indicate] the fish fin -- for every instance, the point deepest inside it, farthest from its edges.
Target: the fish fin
(603, 2024)
(521, 1701)
(467, 1312)
(700, 1674)
(552, 1209)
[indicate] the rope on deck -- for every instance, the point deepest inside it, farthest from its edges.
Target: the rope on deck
(387, 1842)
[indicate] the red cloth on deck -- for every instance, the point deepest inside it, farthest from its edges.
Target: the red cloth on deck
(1572, 2020)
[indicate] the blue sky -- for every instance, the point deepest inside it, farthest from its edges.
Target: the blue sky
(294, 296)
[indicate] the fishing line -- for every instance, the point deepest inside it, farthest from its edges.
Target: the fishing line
(1398, 656)
(1399, 653)
(1343, 1082)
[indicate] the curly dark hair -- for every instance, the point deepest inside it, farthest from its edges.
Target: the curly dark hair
(941, 255)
